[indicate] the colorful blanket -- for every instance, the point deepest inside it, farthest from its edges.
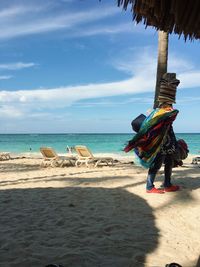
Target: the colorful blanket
(148, 141)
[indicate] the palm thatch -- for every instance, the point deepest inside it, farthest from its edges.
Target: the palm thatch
(181, 17)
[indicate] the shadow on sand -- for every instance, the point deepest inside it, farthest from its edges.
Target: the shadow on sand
(76, 227)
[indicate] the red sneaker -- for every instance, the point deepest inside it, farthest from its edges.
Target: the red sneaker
(172, 188)
(155, 190)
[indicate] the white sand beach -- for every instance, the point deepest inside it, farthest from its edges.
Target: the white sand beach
(89, 217)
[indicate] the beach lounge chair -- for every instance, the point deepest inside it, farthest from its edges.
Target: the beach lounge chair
(50, 157)
(4, 156)
(196, 160)
(86, 157)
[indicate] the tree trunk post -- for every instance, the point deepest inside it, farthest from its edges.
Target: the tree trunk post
(162, 62)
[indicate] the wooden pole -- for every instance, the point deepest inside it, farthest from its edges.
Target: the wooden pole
(162, 62)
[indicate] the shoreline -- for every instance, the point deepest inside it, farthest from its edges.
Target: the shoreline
(97, 143)
(117, 156)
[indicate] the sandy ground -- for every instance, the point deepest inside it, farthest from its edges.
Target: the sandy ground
(96, 217)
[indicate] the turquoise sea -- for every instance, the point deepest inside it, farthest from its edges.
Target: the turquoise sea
(98, 143)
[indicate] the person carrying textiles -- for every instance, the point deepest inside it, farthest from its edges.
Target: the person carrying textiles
(155, 143)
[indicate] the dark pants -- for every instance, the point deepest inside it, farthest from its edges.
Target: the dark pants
(159, 160)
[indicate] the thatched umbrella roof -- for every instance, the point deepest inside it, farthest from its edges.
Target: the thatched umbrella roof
(174, 16)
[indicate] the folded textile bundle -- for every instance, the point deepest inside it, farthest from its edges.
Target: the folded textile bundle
(147, 142)
(168, 85)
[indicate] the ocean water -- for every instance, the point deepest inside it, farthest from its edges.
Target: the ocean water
(98, 143)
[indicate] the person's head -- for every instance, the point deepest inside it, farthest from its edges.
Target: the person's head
(168, 86)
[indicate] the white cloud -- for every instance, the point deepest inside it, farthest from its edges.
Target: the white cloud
(7, 111)
(140, 61)
(109, 29)
(66, 96)
(26, 102)
(13, 11)
(17, 66)
(5, 77)
(189, 79)
(26, 20)
(189, 99)
(178, 64)
(115, 103)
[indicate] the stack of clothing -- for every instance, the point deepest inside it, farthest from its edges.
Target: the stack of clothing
(149, 140)
(168, 86)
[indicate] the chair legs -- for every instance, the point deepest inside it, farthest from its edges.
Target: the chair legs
(80, 162)
(5, 156)
(53, 163)
(196, 161)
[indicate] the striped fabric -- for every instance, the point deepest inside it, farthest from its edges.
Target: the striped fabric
(148, 141)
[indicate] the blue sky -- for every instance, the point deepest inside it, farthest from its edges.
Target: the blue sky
(83, 66)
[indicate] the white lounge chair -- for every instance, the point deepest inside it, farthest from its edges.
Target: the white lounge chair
(196, 160)
(4, 156)
(50, 157)
(86, 157)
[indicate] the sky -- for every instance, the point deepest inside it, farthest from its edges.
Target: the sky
(83, 66)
